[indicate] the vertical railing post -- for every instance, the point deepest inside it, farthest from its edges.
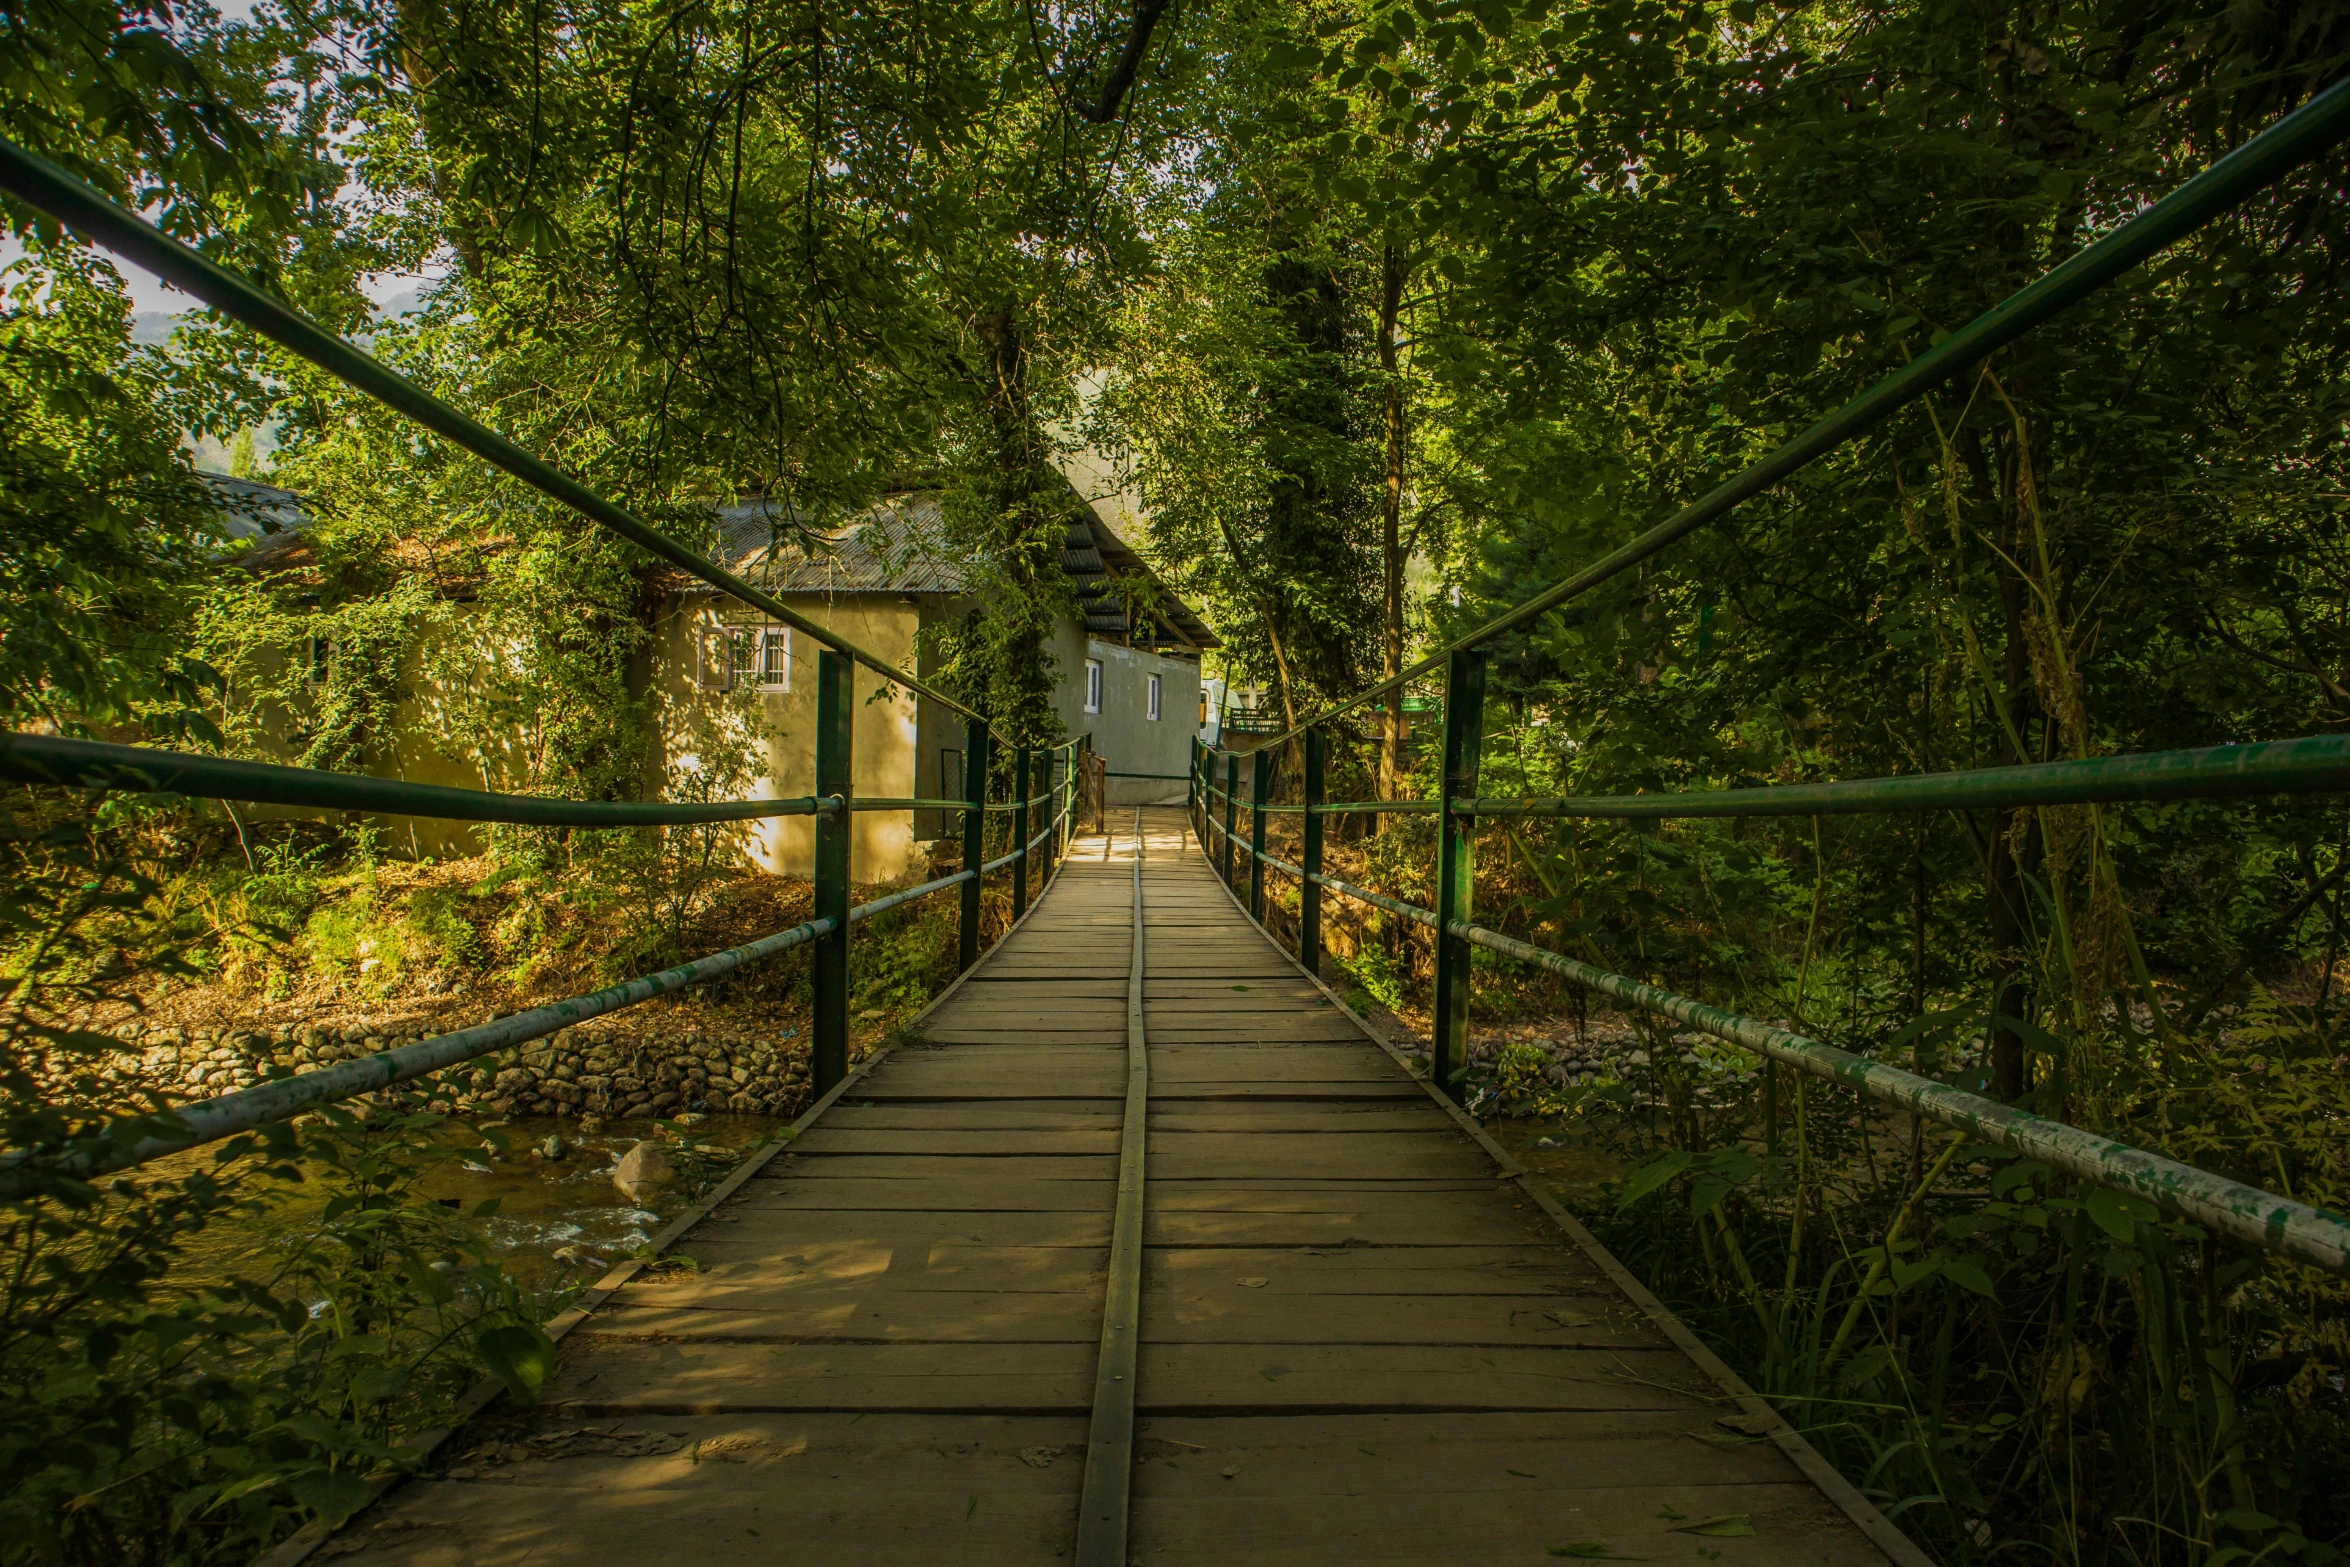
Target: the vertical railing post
(1191, 782)
(1260, 783)
(1309, 892)
(1231, 811)
(1020, 832)
(1052, 815)
(836, 708)
(974, 838)
(1464, 741)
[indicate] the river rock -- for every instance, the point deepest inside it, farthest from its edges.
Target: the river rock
(554, 1147)
(643, 1171)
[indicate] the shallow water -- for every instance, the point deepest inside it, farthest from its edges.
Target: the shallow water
(1577, 1166)
(558, 1221)
(570, 1205)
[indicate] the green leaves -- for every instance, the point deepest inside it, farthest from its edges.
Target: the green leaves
(1651, 1174)
(518, 1354)
(333, 1495)
(2117, 1213)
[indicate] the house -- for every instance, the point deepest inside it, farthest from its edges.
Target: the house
(720, 678)
(1127, 667)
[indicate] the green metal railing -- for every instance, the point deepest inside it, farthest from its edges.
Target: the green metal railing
(2320, 764)
(81, 764)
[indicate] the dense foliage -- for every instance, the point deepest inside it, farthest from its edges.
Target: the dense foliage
(1393, 311)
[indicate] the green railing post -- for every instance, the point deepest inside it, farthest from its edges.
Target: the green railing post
(828, 1046)
(1464, 740)
(1231, 810)
(1020, 818)
(1260, 783)
(1191, 782)
(1052, 815)
(1309, 892)
(974, 838)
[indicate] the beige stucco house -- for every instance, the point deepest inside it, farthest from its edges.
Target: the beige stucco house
(1127, 665)
(727, 686)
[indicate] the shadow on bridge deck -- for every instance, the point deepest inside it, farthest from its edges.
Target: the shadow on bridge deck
(1362, 1338)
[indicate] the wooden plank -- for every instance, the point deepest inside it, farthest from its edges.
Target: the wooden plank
(1178, 1156)
(1229, 1309)
(609, 1377)
(987, 1172)
(879, 1490)
(938, 1316)
(938, 1261)
(942, 1194)
(834, 1136)
(1336, 1272)
(757, 1233)
(950, 1116)
(1204, 1378)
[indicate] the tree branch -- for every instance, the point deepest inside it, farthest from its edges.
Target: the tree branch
(1138, 42)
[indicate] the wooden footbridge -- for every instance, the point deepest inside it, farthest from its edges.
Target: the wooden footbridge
(1148, 1251)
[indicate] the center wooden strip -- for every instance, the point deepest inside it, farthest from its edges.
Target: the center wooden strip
(1109, 1448)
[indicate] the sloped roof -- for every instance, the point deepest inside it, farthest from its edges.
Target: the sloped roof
(252, 510)
(898, 546)
(1122, 597)
(901, 546)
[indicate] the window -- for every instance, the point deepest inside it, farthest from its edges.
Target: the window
(320, 654)
(775, 658)
(1154, 699)
(714, 661)
(1093, 685)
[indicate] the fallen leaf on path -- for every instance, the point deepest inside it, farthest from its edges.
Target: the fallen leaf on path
(1727, 1526)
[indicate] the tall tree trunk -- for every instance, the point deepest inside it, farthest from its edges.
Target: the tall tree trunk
(2011, 841)
(1395, 273)
(1028, 531)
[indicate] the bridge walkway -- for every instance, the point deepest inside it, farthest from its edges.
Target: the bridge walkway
(1362, 1338)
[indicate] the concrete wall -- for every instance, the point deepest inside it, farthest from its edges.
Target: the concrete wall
(901, 746)
(884, 735)
(1124, 733)
(413, 756)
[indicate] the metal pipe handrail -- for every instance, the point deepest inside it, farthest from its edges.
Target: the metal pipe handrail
(1378, 900)
(891, 803)
(865, 911)
(48, 188)
(2317, 764)
(2244, 1213)
(124, 1144)
(93, 764)
(2292, 141)
(211, 1120)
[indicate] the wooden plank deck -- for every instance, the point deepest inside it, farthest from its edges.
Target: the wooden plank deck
(1362, 1339)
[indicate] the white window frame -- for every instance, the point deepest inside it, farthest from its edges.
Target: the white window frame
(771, 655)
(1154, 699)
(1093, 685)
(714, 657)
